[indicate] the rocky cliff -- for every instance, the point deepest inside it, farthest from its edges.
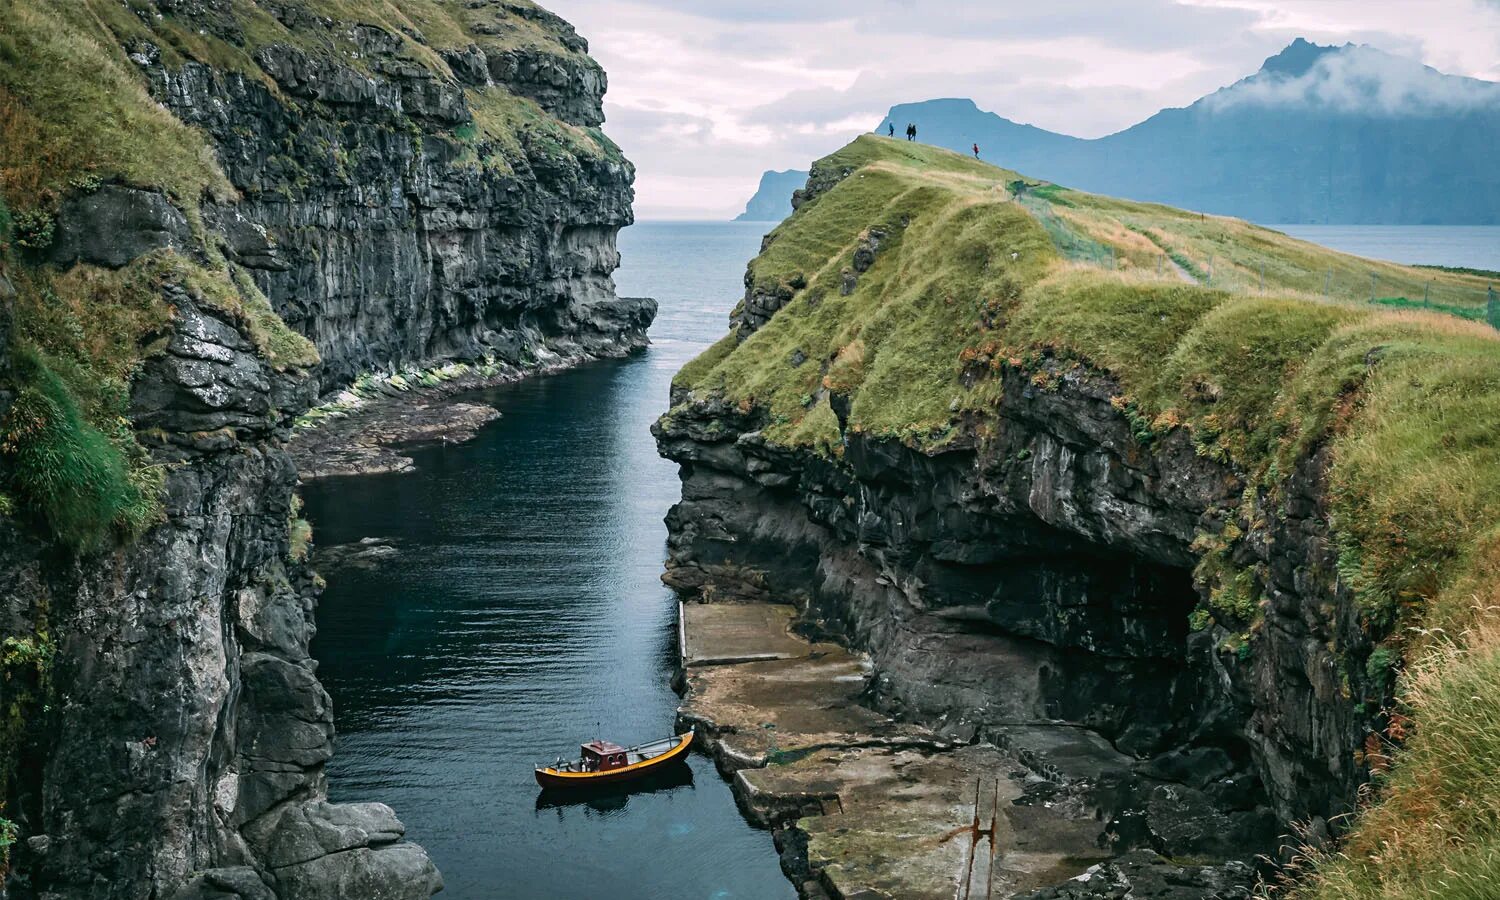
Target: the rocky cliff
(1131, 530)
(405, 185)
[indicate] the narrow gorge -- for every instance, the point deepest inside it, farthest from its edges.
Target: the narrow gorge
(1149, 534)
(215, 213)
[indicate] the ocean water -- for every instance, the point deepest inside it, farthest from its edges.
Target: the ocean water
(524, 613)
(1467, 246)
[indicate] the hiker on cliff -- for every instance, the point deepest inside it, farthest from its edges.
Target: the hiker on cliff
(911, 132)
(892, 132)
(976, 149)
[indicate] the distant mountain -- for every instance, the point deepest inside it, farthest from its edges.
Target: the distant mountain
(773, 199)
(1348, 135)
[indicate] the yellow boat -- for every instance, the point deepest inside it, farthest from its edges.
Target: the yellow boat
(604, 762)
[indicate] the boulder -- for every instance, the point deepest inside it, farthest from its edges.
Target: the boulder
(115, 224)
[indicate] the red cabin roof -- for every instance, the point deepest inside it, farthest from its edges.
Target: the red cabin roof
(601, 748)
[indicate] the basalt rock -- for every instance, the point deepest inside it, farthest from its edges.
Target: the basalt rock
(114, 224)
(180, 752)
(363, 222)
(1030, 584)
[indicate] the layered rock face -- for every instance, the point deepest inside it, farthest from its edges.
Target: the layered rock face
(184, 751)
(180, 731)
(1030, 585)
(377, 233)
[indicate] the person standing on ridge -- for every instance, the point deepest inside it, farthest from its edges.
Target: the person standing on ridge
(892, 131)
(908, 131)
(976, 149)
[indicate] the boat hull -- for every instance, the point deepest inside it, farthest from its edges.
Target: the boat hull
(552, 778)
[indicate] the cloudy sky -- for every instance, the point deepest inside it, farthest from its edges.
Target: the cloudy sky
(706, 94)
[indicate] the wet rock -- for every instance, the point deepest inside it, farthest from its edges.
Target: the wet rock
(366, 553)
(1143, 874)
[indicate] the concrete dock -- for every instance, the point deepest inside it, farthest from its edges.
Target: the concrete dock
(887, 809)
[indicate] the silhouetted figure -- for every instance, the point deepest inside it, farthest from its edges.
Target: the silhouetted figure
(911, 132)
(892, 132)
(976, 150)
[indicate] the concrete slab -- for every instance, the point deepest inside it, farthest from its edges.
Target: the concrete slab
(918, 824)
(716, 634)
(889, 809)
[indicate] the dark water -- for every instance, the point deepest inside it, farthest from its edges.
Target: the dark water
(524, 613)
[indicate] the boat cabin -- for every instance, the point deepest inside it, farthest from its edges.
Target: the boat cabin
(601, 756)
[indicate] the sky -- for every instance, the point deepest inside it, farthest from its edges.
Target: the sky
(704, 95)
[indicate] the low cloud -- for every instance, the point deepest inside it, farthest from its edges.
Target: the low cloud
(705, 96)
(1365, 80)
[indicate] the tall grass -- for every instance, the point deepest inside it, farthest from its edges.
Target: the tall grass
(63, 469)
(1435, 830)
(71, 106)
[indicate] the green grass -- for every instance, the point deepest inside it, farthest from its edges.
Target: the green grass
(1475, 313)
(1405, 400)
(1233, 254)
(1464, 270)
(71, 107)
(65, 470)
(893, 344)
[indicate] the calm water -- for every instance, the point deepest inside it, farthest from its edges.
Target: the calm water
(524, 613)
(1470, 246)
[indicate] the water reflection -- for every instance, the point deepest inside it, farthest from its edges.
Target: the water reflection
(609, 799)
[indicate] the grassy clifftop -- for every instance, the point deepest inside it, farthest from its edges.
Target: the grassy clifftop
(1261, 346)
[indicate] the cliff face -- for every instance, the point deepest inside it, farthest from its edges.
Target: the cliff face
(375, 216)
(1150, 531)
(404, 192)
(1033, 583)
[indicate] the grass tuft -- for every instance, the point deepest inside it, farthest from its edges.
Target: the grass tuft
(65, 470)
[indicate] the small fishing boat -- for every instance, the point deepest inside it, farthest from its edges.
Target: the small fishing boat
(603, 762)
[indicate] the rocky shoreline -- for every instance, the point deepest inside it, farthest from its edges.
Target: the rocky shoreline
(368, 437)
(863, 804)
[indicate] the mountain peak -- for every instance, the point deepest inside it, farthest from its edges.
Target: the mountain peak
(1297, 59)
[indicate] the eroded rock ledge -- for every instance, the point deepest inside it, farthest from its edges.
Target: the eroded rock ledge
(1029, 589)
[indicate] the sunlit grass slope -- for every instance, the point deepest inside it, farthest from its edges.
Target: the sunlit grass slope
(980, 271)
